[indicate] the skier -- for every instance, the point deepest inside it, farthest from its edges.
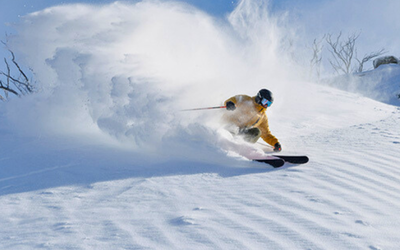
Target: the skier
(249, 118)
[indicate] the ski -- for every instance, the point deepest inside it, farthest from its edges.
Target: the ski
(295, 159)
(276, 163)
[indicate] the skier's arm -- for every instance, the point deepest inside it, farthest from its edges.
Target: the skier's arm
(266, 133)
(269, 138)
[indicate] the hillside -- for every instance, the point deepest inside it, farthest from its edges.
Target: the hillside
(101, 157)
(59, 194)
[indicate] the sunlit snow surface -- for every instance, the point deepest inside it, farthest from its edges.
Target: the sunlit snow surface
(103, 158)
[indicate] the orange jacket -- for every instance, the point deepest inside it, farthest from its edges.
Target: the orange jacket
(249, 114)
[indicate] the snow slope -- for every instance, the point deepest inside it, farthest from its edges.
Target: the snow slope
(85, 197)
(101, 157)
(381, 84)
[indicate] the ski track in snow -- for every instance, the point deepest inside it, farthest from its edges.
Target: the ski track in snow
(346, 197)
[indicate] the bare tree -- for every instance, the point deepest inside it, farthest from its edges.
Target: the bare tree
(16, 85)
(315, 62)
(367, 58)
(342, 51)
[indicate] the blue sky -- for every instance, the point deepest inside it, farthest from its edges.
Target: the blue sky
(376, 20)
(12, 10)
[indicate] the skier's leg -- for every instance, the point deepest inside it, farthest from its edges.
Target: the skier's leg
(250, 135)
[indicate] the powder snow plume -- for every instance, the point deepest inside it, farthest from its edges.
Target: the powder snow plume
(120, 73)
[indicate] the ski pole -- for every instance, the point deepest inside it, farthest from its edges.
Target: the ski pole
(219, 107)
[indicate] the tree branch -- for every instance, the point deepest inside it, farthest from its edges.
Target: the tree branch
(315, 62)
(7, 89)
(19, 85)
(342, 52)
(367, 58)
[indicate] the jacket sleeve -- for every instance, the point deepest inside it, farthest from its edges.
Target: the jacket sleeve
(266, 133)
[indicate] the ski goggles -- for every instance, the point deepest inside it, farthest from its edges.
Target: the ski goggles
(265, 102)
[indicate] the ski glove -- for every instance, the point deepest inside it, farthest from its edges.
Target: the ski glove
(230, 106)
(277, 147)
